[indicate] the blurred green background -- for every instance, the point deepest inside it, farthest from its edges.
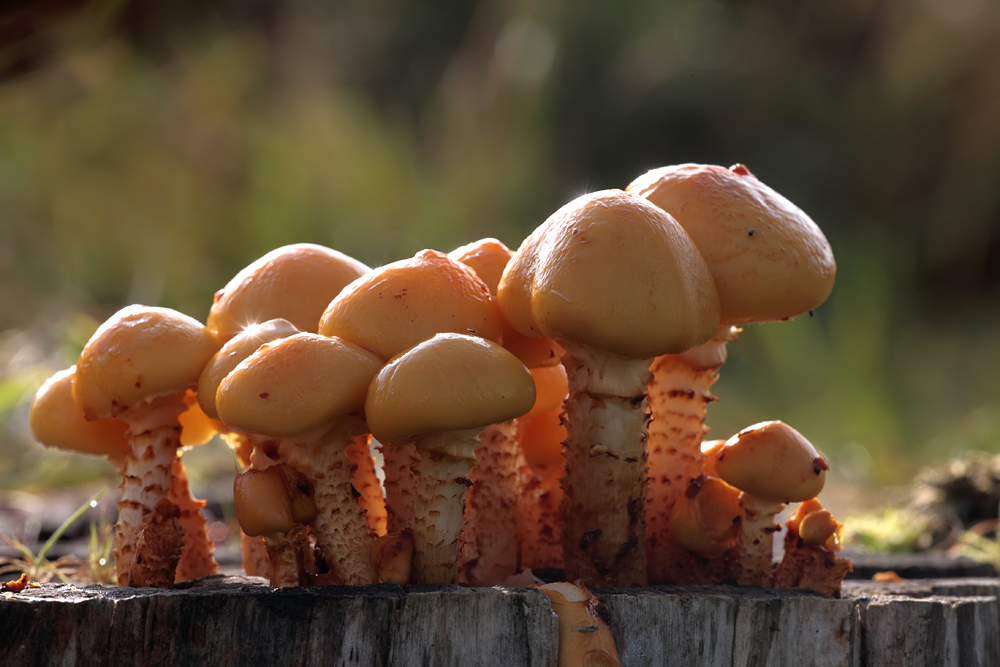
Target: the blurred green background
(148, 151)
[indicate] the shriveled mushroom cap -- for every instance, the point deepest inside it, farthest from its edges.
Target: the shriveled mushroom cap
(769, 259)
(295, 282)
(772, 461)
(232, 353)
(488, 258)
(272, 500)
(448, 383)
(703, 519)
(296, 384)
(611, 271)
(138, 354)
(393, 308)
(57, 421)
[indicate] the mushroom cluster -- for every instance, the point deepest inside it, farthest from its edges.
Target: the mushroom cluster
(540, 409)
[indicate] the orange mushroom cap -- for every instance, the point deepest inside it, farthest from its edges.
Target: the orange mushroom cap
(138, 354)
(393, 308)
(448, 383)
(294, 282)
(58, 421)
(770, 261)
(613, 272)
(772, 461)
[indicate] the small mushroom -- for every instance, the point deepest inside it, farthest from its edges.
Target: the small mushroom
(440, 395)
(772, 464)
(811, 557)
(705, 524)
(136, 368)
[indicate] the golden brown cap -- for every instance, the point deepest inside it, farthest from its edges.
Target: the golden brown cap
(197, 428)
(57, 421)
(551, 389)
(393, 308)
(772, 461)
(296, 384)
(816, 526)
(613, 272)
(232, 353)
(295, 282)
(769, 259)
(138, 354)
(448, 383)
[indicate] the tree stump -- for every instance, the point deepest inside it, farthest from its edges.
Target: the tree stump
(242, 621)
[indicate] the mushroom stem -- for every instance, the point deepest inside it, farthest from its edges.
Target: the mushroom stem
(400, 485)
(605, 477)
(755, 560)
(197, 554)
(340, 527)
(490, 551)
(678, 400)
(147, 477)
(284, 553)
(366, 483)
(441, 475)
(541, 521)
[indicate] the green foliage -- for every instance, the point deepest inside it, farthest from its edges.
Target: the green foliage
(889, 530)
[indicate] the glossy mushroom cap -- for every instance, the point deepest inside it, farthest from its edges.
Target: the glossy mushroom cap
(613, 272)
(551, 389)
(296, 384)
(393, 308)
(232, 353)
(57, 421)
(703, 520)
(769, 259)
(138, 354)
(488, 258)
(295, 282)
(816, 526)
(272, 500)
(772, 461)
(448, 383)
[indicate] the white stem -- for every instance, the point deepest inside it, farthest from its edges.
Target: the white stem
(755, 558)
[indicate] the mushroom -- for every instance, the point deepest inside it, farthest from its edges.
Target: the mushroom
(772, 464)
(811, 546)
(769, 261)
(57, 421)
(490, 549)
(439, 395)
(585, 639)
(254, 451)
(392, 558)
(396, 306)
(294, 282)
(308, 391)
(616, 282)
(136, 368)
(705, 523)
(274, 504)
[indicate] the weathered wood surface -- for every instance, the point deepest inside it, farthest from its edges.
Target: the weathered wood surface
(239, 621)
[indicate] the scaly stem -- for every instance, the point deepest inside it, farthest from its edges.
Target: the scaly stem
(147, 477)
(400, 485)
(197, 555)
(340, 527)
(540, 519)
(441, 475)
(605, 478)
(285, 555)
(489, 548)
(755, 558)
(366, 483)
(678, 400)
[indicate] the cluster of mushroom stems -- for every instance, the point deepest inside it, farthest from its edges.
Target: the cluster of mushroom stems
(541, 409)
